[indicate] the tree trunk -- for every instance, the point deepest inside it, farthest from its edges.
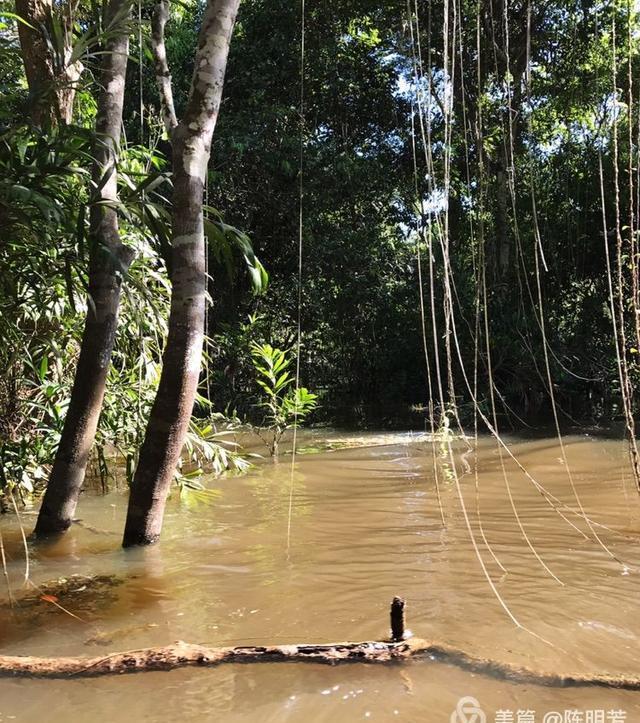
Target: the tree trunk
(51, 80)
(503, 236)
(109, 261)
(163, 76)
(173, 405)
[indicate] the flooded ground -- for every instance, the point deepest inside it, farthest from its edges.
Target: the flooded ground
(365, 526)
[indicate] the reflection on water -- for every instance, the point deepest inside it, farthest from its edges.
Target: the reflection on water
(365, 526)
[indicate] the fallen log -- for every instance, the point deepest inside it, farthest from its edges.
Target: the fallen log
(183, 654)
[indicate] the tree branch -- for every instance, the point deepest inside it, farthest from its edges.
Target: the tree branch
(181, 655)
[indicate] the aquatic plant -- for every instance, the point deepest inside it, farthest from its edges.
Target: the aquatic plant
(284, 407)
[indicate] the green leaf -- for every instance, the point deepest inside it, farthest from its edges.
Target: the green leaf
(14, 16)
(44, 368)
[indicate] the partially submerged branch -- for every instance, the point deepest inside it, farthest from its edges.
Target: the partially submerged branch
(182, 655)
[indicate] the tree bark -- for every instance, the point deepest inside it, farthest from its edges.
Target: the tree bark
(163, 75)
(171, 412)
(51, 80)
(108, 263)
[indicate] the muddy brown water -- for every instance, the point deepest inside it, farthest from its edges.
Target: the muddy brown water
(365, 526)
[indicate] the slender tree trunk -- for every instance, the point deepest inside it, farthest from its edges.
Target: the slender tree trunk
(173, 405)
(51, 80)
(163, 75)
(109, 261)
(503, 237)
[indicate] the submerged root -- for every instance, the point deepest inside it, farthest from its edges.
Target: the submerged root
(79, 597)
(79, 589)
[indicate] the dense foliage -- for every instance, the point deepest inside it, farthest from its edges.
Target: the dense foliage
(453, 146)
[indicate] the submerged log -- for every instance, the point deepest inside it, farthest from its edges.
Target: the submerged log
(183, 654)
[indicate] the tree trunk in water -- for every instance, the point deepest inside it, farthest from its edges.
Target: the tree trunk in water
(109, 261)
(51, 89)
(173, 405)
